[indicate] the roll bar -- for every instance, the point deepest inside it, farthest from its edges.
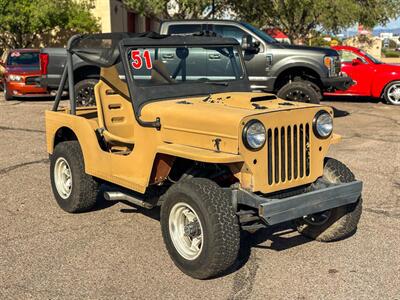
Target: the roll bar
(68, 73)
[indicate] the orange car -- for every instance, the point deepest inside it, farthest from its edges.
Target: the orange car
(20, 74)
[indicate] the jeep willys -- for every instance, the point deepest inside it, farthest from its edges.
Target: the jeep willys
(182, 130)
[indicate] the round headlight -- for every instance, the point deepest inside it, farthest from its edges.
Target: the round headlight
(323, 124)
(254, 135)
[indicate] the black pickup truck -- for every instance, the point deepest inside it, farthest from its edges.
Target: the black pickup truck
(297, 73)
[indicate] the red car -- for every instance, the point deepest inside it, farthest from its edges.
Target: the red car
(20, 74)
(372, 77)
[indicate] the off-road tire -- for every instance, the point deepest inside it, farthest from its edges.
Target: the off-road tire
(343, 220)
(221, 230)
(85, 188)
(386, 91)
(300, 91)
(7, 96)
(84, 92)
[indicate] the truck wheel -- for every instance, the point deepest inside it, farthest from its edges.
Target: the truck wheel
(84, 92)
(301, 91)
(74, 190)
(200, 228)
(337, 223)
(7, 96)
(392, 93)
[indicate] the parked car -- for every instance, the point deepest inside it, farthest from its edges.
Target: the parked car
(20, 74)
(215, 156)
(292, 72)
(372, 78)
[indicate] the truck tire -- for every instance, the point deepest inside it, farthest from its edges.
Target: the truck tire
(337, 223)
(300, 91)
(392, 93)
(74, 190)
(200, 228)
(84, 92)
(7, 96)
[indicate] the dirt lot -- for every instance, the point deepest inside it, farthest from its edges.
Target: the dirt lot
(117, 251)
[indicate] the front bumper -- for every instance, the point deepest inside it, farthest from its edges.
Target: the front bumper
(274, 211)
(20, 89)
(337, 83)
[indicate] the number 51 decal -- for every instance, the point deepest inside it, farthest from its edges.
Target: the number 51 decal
(137, 59)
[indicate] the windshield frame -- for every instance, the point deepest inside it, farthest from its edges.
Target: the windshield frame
(259, 33)
(141, 95)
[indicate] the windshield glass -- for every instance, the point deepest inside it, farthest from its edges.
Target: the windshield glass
(159, 65)
(373, 59)
(261, 34)
(17, 58)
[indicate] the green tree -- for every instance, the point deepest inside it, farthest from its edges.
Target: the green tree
(297, 18)
(179, 9)
(27, 23)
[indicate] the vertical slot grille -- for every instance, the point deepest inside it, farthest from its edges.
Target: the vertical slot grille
(288, 153)
(269, 144)
(276, 156)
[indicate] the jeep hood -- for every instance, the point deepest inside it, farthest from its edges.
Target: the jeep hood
(199, 121)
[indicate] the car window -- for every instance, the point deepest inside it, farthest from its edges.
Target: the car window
(229, 31)
(16, 58)
(184, 29)
(349, 56)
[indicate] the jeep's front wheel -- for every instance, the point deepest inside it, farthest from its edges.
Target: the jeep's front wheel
(337, 223)
(200, 228)
(74, 190)
(300, 91)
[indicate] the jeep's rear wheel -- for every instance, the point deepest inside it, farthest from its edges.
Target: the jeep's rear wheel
(200, 228)
(74, 190)
(300, 91)
(334, 224)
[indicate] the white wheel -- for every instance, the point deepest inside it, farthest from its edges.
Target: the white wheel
(392, 93)
(63, 178)
(186, 231)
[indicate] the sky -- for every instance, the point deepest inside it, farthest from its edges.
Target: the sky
(390, 25)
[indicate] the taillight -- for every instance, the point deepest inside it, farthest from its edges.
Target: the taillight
(44, 62)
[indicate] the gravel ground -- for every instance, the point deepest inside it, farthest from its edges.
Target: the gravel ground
(117, 251)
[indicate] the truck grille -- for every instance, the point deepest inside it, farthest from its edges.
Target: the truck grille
(288, 151)
(33, 80)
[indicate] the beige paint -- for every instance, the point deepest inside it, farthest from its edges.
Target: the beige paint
(113, 17)
(187, 131)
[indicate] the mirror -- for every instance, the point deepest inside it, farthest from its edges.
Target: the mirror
(356, 62)
(248, 45)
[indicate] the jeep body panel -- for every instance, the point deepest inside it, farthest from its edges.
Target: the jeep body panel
(188, 131)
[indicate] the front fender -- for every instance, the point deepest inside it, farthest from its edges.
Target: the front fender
(299, 62)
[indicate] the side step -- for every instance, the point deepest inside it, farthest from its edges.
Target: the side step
(118, 196)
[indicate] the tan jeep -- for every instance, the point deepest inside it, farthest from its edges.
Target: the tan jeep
(175, 125)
